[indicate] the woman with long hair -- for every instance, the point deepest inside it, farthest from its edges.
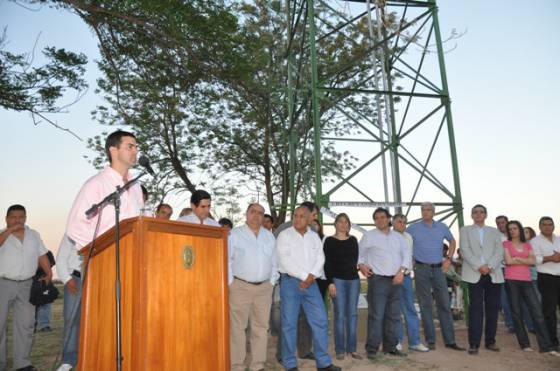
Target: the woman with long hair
(519, 257)
(341, 259)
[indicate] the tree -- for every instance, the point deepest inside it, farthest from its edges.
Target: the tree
(160, 64)
(39, 89)
(252, 136)
(204, 87)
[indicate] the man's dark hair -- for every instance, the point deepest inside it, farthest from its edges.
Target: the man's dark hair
(545, 219)
(311, 206)
(16, 207)
(502, 217)
(381, 210)
(400, 216)
(198, 196)
(114, 140)
(482, 207)
(225, 222)
(518, 224)
(269, 217)
(158, 209)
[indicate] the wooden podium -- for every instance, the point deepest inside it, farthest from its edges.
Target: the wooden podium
(174, 298)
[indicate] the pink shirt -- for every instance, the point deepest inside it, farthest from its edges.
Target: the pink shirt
(518, 272)
(79, 228)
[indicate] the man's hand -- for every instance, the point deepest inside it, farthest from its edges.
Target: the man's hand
(72, 286)
(398, 279)
(445, 265)
(308, 282)
(366, 270)
(332, 290)
(47, 277)
(484, 270)
(556, 257)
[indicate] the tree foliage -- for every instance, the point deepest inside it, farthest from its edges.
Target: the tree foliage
(26, 87)
(204, 86)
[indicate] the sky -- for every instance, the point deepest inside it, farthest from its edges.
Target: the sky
(502, 80)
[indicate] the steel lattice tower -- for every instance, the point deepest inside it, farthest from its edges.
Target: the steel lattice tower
(404, 146)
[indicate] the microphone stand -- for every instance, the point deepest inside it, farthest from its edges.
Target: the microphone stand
(115, 199)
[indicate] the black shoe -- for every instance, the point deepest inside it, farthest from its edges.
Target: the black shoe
(308, 356)
(371, 356)
(396, 353)
(293, 369)
(473, 351)
(493, 347)
(432, 346)
(27, 368)
(330, 367)
(45, 329)
(454, 346)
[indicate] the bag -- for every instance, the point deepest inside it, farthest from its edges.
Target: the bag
(42, 293)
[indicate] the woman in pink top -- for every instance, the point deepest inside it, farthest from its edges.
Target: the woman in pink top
(519, 257)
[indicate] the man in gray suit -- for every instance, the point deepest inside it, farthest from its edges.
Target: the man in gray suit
(482, 251)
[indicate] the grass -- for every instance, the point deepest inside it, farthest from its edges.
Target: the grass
(47, 346)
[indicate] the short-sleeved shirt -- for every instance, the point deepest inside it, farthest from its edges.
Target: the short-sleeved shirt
(518, 272)
(19, 260)
(428, 241)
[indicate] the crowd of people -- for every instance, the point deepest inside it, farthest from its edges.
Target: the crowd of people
(281, 275)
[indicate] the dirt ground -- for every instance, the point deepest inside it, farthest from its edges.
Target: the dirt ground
(510, 357)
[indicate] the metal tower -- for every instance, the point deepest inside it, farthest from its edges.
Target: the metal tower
(402, 143)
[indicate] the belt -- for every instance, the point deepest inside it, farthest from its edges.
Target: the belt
(436, 265)
(9, 279)
(250, 283)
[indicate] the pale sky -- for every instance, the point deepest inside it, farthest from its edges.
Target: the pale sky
(502, 81)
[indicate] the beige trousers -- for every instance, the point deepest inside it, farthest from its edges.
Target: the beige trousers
(249, 302)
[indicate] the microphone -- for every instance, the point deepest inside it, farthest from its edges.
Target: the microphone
(145, 163)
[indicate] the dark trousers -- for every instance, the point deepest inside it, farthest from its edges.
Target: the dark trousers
(383, 313)
(524, 290)
(484, 302)
(549, 286)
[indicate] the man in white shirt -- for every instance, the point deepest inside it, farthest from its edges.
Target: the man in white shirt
(483, 253)
(201, 202)
(546, 247)
(384, 258)
(300, 260)
(252, 274)
(21, 250)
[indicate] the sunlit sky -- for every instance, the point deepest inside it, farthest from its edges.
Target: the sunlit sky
(502, 77)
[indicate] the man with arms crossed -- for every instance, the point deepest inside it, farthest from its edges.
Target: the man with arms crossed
(547, 252)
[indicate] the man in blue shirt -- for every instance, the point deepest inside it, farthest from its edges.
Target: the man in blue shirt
(429, 269)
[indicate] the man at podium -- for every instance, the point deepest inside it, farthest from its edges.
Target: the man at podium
(121, 150)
